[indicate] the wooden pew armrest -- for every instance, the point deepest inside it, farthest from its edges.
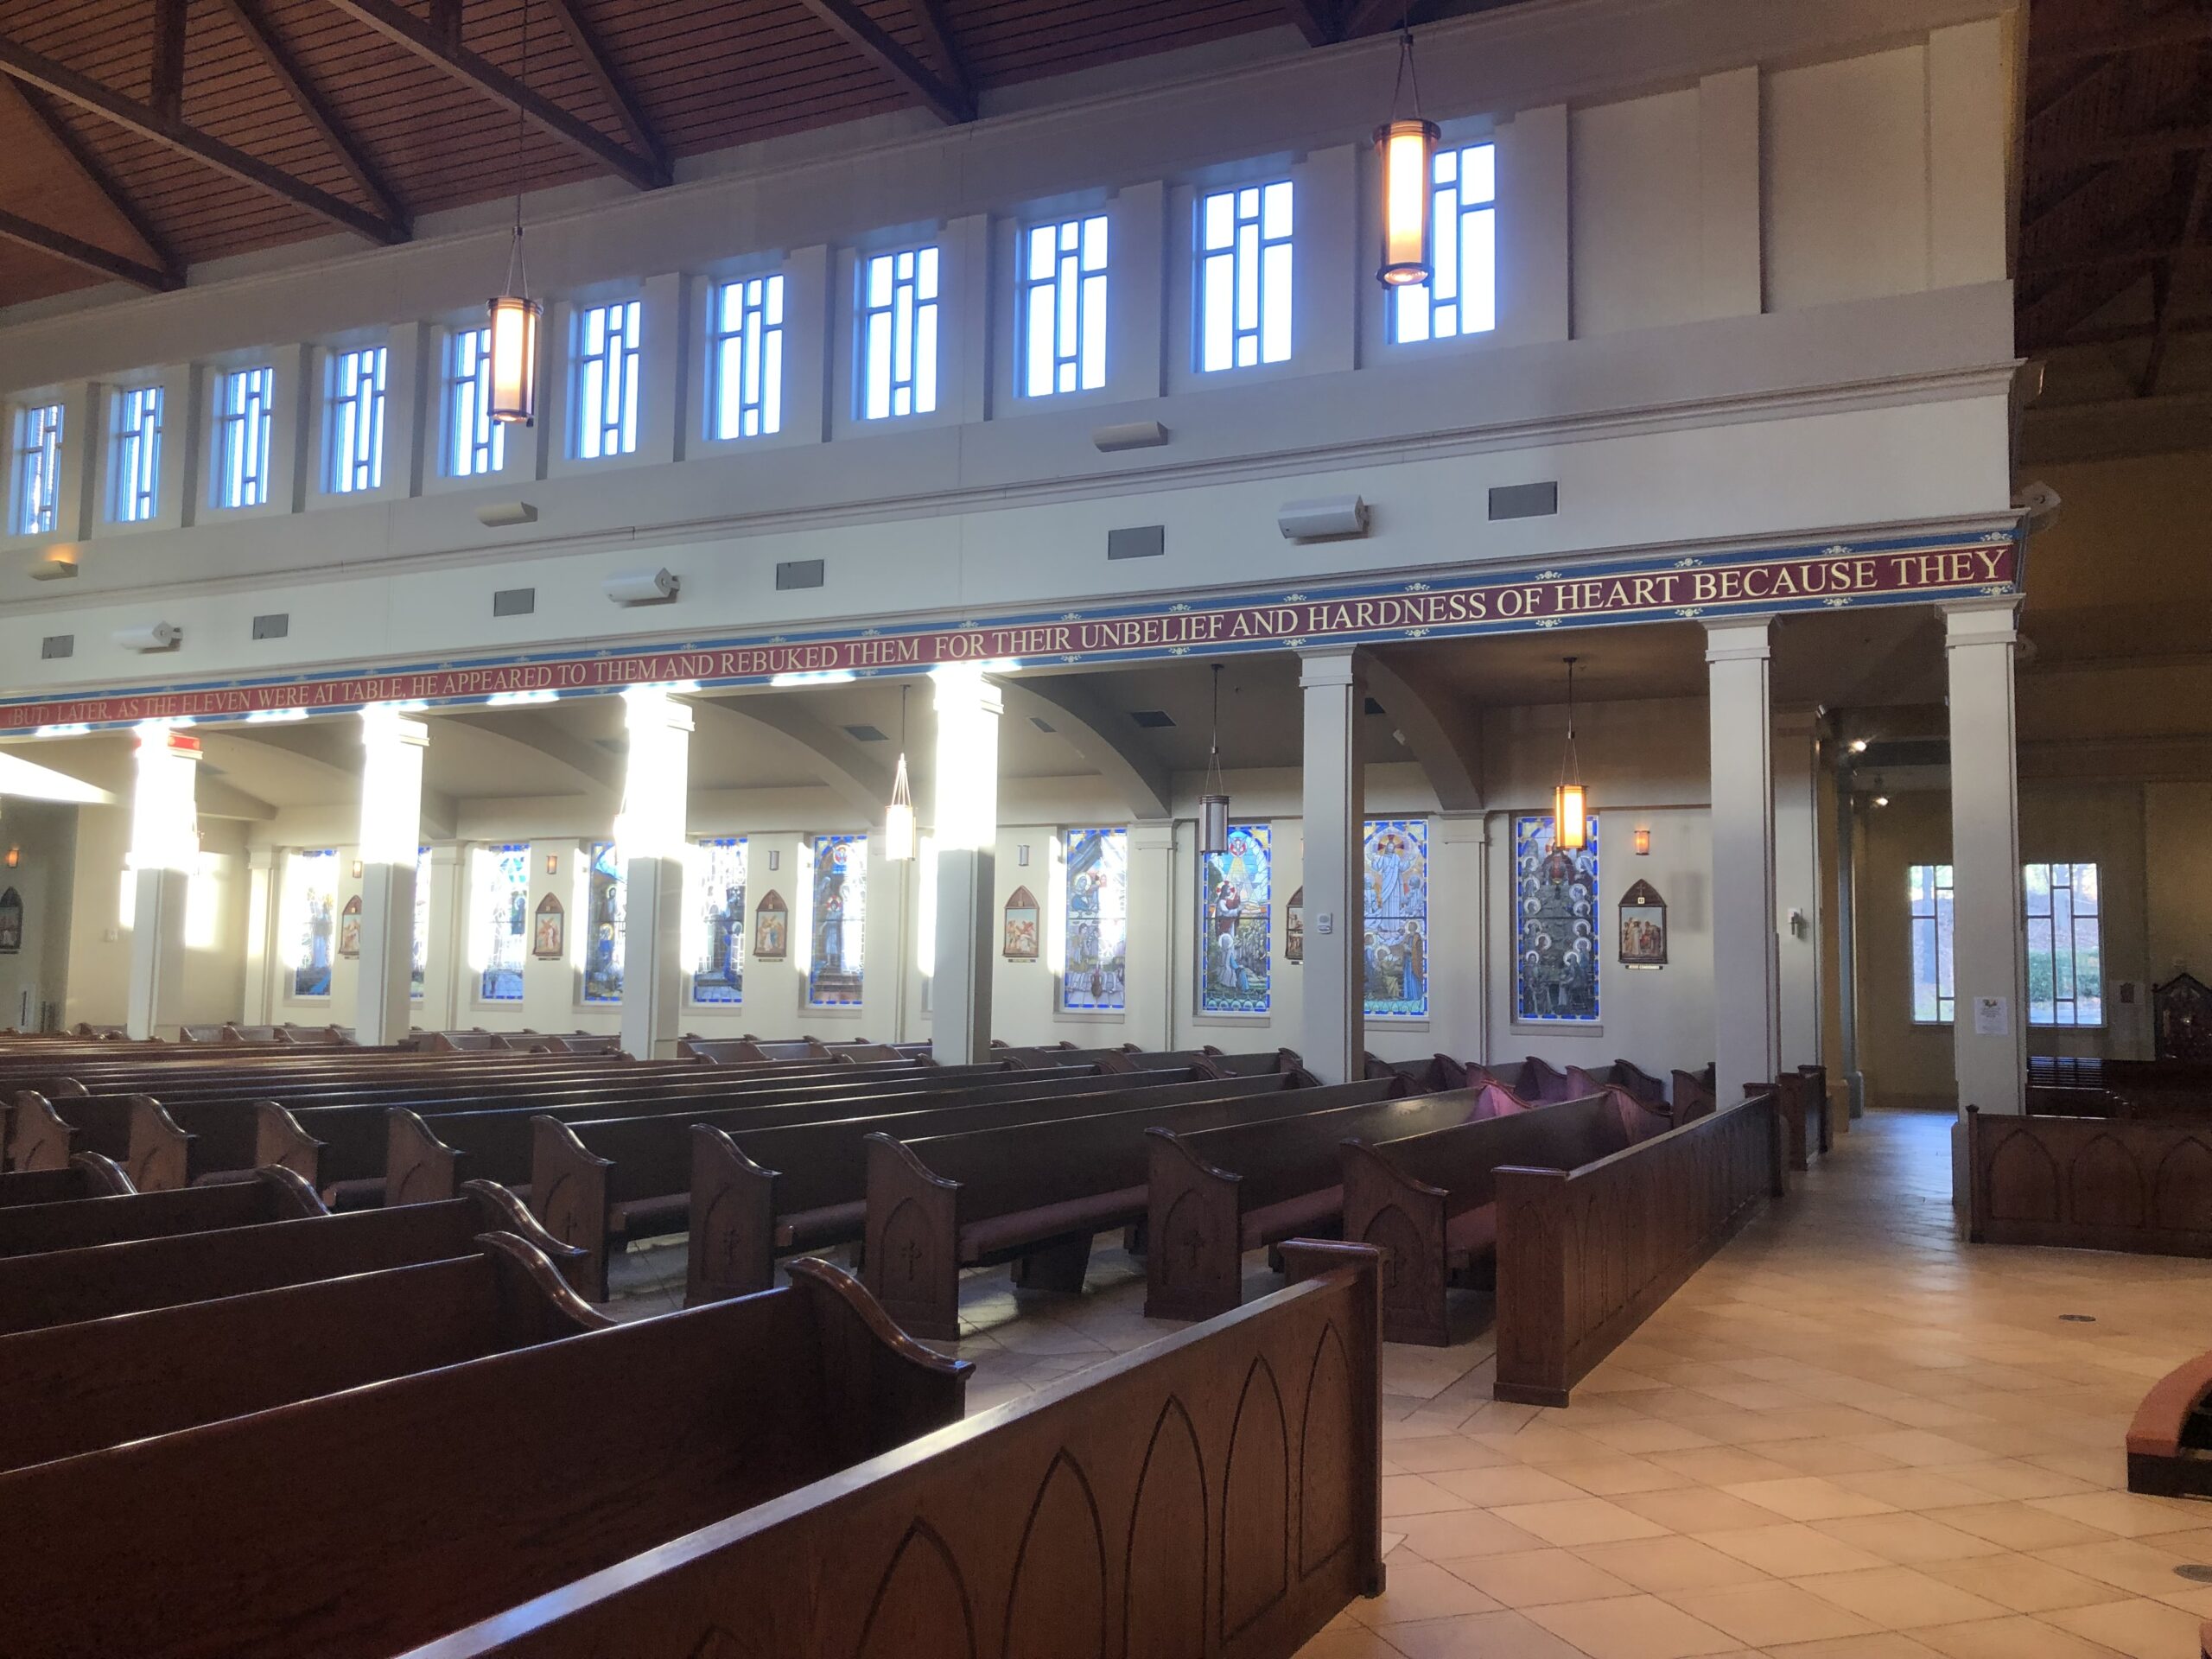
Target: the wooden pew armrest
(418, 1167)
(503, 1212)
(904, 1389)
(536, 1304)
(290, 1196)
(278, 1139)
(103, 1176)
(160, 1152)
(39, 1137)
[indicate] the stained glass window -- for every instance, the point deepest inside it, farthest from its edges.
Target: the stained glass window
(607, 891)
(503, 919)
(745, 350)
(717, 916)
(1395, 941)
(1555, 925)
(1064, 307)
(311, 882)
(1236, 927)
(420, 960)
(135, 469)
(245, 402)
(475, 443)
(839, 919)
(607, 355)
(357, 385)
(898, 302)
(1245, 276)
(2066, 981)
(1096, 901)
(1928, 894)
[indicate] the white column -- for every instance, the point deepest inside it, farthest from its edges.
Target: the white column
(651, 835)
(1334, 694)
(164, 848)
(391, 824)
(260, 927)
(968, 709)
(1152, 913)
(1796, 884)
(1746, 1033)
(1988, 952)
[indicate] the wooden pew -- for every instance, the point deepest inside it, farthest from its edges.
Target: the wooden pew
(1535, 1080)
(2089, 1184)
(1640, 1119)
(2170, 1441)
(1431, 1075)
(1651, 1090)
(1585, 1255)
(1429, 1202)
(273, 1195)
(426, 1156)
(87, 1175)
(65, 1286)
(1692, 1094)
(759, 1194)
(1034, 1194)
(1215, 1494)
(77, 1388)
(1804, 1114)
(1213, 1194)
(448, 1496)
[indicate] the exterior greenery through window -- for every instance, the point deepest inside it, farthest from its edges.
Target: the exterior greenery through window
(717, 914)
(503, 919)
(607, 890)
(1236, 929)
(1935, 996)
(2065, 945)
(1095, 900)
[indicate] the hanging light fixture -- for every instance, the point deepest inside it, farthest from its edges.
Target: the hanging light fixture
(898, 816)
(1408, 147)
(1570, 801)
(514, 316)
(1213, 806)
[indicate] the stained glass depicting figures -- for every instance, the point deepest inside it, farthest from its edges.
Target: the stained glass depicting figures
(840, 915)
(1395, 941)
(1555, 924)
(1096, 902)
(421, 960)
(606, 901)
(1235, 924)
(312, 879)
(503, 919)
(718, 916)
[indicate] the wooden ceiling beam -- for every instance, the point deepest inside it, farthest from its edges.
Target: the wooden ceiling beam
(95, 171)
(2149, 253)
(859, 31)
(2125, 147)
(166, 44)
(2148, 36)
(262, 36)
(2192, 226)
(612, 86)
(1365, 16)
(13, 227)
(36, 69)
(427, 42)
(937, 30)
(1315, 19)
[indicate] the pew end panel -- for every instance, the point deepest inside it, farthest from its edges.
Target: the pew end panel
(2166, 1455)
(101, 1176)
(499, 1211)
(732, 1244)
(569, 1188)
(419, 1168)
(160, 1154)
(39, 1137)
(1194, 1251)
(884, 1388)
(1403, 1220)
(536, 1304)
(1532, 1281)
(1217, 1493)
(911, 1252)
(289, 1197)
(279, 1142)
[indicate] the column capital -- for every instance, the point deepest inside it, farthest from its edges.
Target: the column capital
(1326, 665)
(1994, 620)
(965, 686)
(1152, 835)
(1463, 829)
(1739, 639)
(655, 708)
(381, 723)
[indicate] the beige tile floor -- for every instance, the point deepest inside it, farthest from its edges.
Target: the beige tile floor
(1850, 1436)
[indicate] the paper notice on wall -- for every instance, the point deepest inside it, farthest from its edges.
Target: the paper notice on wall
(1992, 1016)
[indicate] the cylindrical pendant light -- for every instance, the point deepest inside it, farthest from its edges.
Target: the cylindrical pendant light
(898, 816)
(514, 318)
(513, 315)
(1570, 801)
(1213, 805)
(1408, 148)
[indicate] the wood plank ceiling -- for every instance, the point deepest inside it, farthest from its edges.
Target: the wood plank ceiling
(140, 138)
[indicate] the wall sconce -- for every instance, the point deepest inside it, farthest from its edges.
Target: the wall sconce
(14, 857)
(1642, 841)
(775, 859)
(356, 869)
(552, 863)
(1021, 854)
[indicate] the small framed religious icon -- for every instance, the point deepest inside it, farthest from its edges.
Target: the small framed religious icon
(1642, 927)
(349, 928)
(772, 928)
(1020, 926)
(1294, 937)
(549, 936)
(11, 922)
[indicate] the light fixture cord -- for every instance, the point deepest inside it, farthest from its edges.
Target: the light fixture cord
(1213, 741)
(518, 271)
(1568, 764)
(1408, 70)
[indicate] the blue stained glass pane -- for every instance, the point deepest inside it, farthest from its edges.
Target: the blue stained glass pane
(1395, 940)
(1555, 924)
(605, 910)
(840, 922)
(1094, 901)
(1236, 931)
(505, 917)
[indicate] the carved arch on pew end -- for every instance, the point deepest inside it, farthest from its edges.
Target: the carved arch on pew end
(291, 1196)
(1168, 1551)
(39, 1137)
(1255, 1498)
(921, 1600)
(2181, 1189)
(2022, 1181)
(1325, 1501)
(1056, 1602)
(2105, 1186)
